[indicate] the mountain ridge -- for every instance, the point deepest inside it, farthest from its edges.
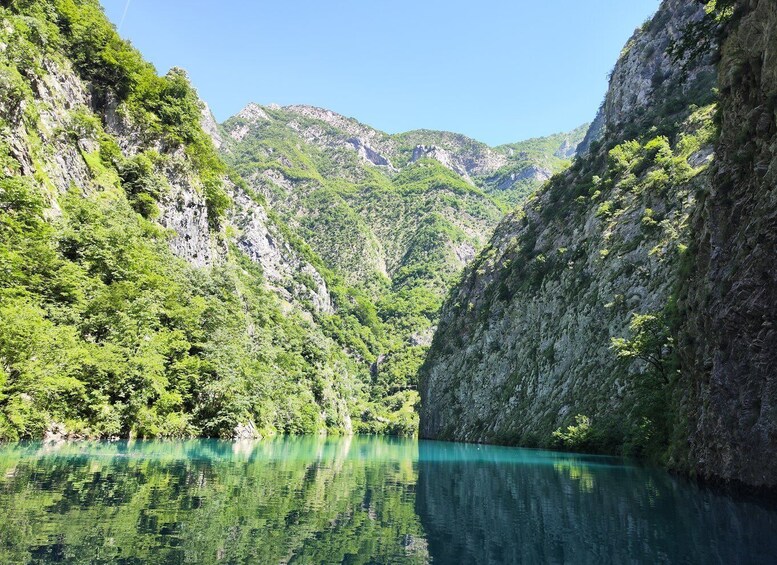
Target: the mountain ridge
(485, 161)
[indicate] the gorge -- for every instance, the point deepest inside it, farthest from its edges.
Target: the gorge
(294, 271)
(246, 341)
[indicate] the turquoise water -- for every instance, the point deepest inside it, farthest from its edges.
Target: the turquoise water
(359, 500)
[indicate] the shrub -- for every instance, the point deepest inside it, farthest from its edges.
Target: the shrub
(575, 436)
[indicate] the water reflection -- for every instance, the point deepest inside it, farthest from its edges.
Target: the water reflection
(501, 505)
(358, 500)
(303, 500)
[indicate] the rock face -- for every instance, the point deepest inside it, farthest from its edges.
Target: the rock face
(549, 322)
(184, 211)
(368, 153)
(282, 266)
(210, 126)
(730, 339)
(525, 341)
(440, 155)
(594, 134)
(646, 77)
(60, 92)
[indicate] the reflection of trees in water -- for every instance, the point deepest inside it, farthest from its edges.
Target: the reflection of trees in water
(504, 506)
(359, 500)
(307, 499)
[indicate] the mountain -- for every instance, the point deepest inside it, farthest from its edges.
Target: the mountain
(335, 181)
(145, 289)
(148, 290)
(627, 308)
(397, 216)
(508, 173)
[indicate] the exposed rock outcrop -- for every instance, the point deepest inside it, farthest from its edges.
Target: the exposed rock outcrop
(647, 78)
(441, 156)
(281, 264)
(525, 342)
(185, 211)
(211, 126)
(730, 337)
(368, 153)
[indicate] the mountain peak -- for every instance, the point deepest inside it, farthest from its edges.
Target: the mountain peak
(253, 112)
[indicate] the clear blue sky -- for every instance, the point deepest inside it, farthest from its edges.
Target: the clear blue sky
(496, 70)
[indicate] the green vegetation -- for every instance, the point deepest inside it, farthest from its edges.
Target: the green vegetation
(104, 331)
(650, 342)
(159, 105)
(576, 437)
(388, 240)
(107, 333)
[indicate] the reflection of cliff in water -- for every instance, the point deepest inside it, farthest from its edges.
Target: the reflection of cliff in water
(497, 505)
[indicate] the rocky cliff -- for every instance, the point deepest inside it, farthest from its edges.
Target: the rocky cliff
(563, 330)
(729, 337)
(629, 308)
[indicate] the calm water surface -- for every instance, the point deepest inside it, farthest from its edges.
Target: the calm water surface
(359, 500)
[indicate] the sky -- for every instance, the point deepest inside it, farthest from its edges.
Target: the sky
(499, 71)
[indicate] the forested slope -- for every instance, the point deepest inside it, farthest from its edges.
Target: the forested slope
(146, 290)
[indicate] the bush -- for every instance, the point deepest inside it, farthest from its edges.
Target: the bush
(575, 437)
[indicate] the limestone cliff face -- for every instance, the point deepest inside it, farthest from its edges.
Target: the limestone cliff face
(182, 208)
(524, 342)
(282, 265)
(646, 80)
(677, 229)
(730, 338)
(184, 211)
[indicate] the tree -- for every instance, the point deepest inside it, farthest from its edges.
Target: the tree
(575, 436)
(650, 342)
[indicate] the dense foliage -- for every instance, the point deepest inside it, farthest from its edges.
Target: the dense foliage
(106, 332)
(103, 331)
